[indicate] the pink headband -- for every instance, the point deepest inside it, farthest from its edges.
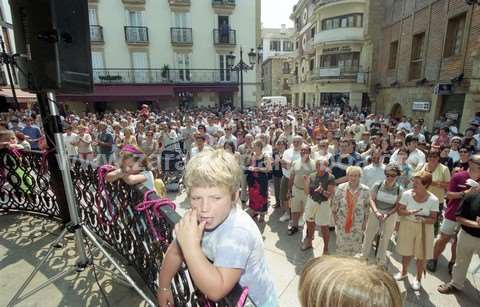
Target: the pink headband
(131, 149)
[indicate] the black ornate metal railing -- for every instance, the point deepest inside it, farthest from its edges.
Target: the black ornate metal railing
(181, 36)
(224, 36)
(96, 34)
(136, 233)
(136, 35)
(163, 76)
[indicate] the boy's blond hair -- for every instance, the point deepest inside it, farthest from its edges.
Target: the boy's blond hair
(343, 282)
(213, 168)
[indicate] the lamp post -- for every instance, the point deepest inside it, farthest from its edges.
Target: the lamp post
(240, 67)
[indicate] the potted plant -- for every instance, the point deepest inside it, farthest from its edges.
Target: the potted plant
(166, 72)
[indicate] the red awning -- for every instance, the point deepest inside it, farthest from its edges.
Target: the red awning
(122, 93)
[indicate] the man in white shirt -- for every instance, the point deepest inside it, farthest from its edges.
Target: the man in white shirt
(454, 146)
(289, 156)
(416, 158)
(375, 171)
(417, 132)
(70, 138)
(404, 124)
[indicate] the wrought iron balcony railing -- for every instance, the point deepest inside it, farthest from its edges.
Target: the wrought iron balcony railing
(224, 37)
(224, 3)
(161, 76)
(96, 34)
(136, 35)
(181, 36)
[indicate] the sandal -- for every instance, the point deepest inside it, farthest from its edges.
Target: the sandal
(292, 230)
(447, 289)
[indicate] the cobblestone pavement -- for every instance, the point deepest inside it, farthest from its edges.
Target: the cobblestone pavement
(25, 239)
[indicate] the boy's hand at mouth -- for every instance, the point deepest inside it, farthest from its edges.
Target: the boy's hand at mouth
(189, 231)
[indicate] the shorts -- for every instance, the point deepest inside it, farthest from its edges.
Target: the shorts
(320, 213)
(449, 228)
(410, 241)
(298, 201)
(284, 189)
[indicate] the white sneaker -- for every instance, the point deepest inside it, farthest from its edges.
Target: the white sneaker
(285, 217)
(416, 285)
(398, 276)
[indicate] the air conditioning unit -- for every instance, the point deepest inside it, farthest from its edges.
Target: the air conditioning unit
(422, 106)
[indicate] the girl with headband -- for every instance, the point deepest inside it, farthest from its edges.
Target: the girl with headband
(132, 168)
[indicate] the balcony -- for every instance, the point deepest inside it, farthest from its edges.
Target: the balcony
(338, 35)
(225, 37)
(181, 36)
(163, 76)
(337, 73)
(179, 3)
(223, 4)
(96, 34)
(136, 35)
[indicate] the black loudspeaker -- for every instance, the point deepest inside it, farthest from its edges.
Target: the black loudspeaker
(52, 39)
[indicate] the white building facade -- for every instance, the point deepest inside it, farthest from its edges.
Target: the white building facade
(169, 53)
(277, 42)
(333, 55)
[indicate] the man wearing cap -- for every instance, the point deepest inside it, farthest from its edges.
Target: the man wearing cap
(458, 188)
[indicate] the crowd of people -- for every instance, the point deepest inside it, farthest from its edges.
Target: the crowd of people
(365, 175)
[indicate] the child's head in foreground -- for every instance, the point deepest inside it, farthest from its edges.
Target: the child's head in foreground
(344, 282)
(212, 181)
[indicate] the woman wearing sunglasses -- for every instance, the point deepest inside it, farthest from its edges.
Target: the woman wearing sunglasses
(383, 213)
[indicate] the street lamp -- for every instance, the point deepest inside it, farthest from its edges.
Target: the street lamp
(240, 67)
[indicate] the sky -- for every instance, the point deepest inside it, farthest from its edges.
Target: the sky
(276, 12)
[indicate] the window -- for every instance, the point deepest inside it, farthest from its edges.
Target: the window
(181, 20)
(275, 45)
(92, 16)
(347, 62)
(392, 60)
(345, 21)
(312, 64)
(140, 66)
(286, 67)
(454, 39)
(136, 18)
(225, 72)
(97, 64)
(287, 46)
(182, 65)
(312, 32)
(416, 62)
